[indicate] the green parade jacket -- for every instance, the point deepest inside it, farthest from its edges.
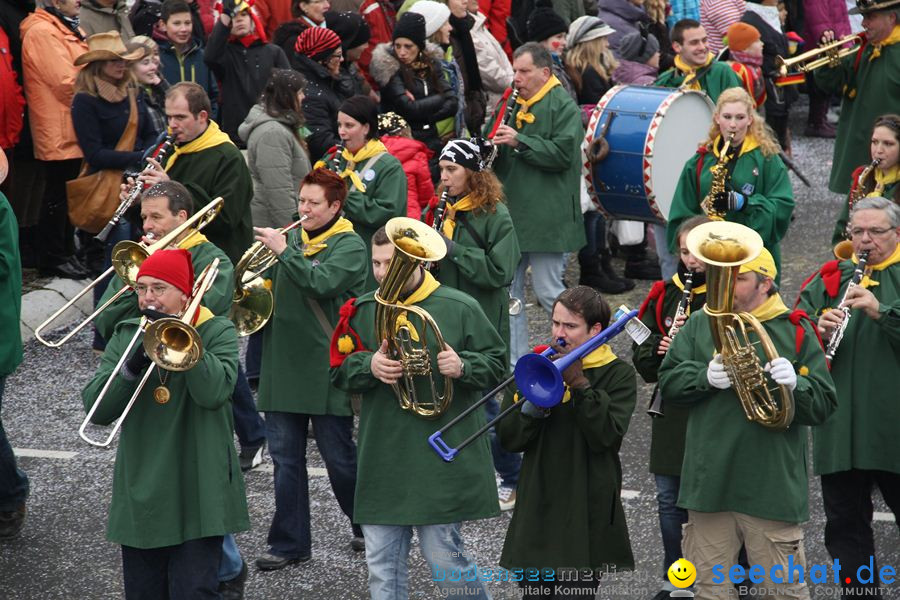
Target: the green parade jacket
(384, 198)
(762, 180)
(668, 431)
(400, 480)
(569, 511)
(730, 463)
(220, 171)
(891, 191)
(10, 290)
(862, 432)
(177, 475)
(217, 299)
(541, 177)
(870, 88)
(294, 375)
(484, 272)
(715, 80)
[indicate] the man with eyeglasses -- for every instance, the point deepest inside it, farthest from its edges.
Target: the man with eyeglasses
(858, 446)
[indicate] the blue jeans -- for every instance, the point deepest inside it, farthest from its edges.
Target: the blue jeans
(546, 277)
(254, 355)
(13, 481)
(183, 572)
(507, 464)
(595, 234)
(668, 262)
(289, 534)
(671, 518)
(387, 554)
(231, 563)
(248, 424)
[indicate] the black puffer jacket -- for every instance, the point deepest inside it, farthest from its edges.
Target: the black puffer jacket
(242, 73)
(324, 95)
(434, 100)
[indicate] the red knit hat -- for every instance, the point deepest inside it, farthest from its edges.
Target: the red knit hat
(172, 266)
(740, 36)
(315, 42)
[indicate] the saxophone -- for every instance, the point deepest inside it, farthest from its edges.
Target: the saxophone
(859, 191)
(724, 247)
(719, 172)
(838, 333)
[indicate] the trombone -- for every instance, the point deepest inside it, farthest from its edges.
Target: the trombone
(252, 303)
(127, 257)
(171, 343)
(829, 54)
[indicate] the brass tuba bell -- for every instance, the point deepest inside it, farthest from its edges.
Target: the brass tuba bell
(414, 243)
(724, 247)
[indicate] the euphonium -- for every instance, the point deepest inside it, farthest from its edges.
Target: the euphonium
(719, 172)
(414, 243)
(724, 247)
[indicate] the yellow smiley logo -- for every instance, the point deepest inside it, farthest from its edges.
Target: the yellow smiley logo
(682, 573)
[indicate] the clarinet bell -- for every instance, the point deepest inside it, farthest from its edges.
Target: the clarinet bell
(655, 409)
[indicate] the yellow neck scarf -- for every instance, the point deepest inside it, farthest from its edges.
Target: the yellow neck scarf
(449, 225)
(884, 178)
(372, 148)
(317, 244)
(893, 38)
(523, 116)
(690, 72)
(203, 315)
(425, 289)
(749, 145)
(771, 308)
(893, 259)
(697, 289)
(195, 238)
(212, 137)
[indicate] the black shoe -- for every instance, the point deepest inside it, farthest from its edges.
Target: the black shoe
(358, 544)
(607, 268)
(272, 562)
(233, 589)
(643, 269)
(11, 522)
(66, 270)
(603, 284)
(251, 457)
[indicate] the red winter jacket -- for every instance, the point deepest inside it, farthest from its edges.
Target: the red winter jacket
(497, 11)
(12, 102)
(380, 16)
(413, 155)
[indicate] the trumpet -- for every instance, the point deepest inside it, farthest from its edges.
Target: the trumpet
(838, 333)
(252, 303)
(171, 343)
(127, 257)
(829, 54)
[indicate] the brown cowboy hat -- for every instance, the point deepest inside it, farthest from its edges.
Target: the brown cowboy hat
(107, 46)
(864, 7)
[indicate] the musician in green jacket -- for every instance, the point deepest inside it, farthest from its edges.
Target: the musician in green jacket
(539, 164)
(375, 179)
(696, 68)
(659, 313)
(757, 190)
(400, 484)
(858, 447)
(742, 481)
(319, 268)
(177, 487)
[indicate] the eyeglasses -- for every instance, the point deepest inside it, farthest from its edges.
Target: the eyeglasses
(872, 231)
(158, 289)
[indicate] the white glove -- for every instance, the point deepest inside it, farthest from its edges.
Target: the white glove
(716, 375)
(782, 372)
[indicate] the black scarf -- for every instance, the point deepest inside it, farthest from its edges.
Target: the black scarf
(71, 23)
(325, 227)
(462, 43)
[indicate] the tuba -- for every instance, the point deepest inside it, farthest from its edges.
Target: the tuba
(719, 172)
(414, 243)
(724, 247)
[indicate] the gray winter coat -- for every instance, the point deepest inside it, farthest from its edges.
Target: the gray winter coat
(96, 18)
(277, 164)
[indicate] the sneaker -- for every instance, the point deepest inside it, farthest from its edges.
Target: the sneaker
(507, 497)
(358, 543)
(11, 522)
(252, 457)
(233, 589)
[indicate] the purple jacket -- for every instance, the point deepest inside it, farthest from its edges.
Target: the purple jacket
(623, 16)
(821, 15)
(634, 73)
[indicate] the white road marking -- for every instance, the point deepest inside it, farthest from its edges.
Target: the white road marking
(34, 453)
(884, 516)
(630, 494)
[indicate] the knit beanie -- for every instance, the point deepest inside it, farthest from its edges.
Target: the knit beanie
(544, 22)
(587, 28)
(741, 36)
(318, 43)
(637, 49)
(390, 123)
(363, 109)
(172, 266)
(411, 26)
(435, 13)
(350, 27)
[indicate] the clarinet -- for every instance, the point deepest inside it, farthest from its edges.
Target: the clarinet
(338, 157)
(159, 154)
(439, 211)
(682, 305)
(838, 334)
(507, 119)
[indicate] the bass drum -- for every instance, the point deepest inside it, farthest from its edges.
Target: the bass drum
(638, 139)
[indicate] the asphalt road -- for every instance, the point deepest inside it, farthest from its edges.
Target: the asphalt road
(62, 552)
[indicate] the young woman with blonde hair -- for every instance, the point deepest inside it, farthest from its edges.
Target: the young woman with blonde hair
(757, 190)
(589, 61)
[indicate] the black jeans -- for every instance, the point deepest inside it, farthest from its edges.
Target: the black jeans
(187, 571)
(847, 496)
(56, 242)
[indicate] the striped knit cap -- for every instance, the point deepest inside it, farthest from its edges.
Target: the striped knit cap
(317, 43)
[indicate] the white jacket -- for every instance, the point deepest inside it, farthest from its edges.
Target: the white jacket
(493, 64)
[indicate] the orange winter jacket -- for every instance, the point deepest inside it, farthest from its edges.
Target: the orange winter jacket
(49, 50)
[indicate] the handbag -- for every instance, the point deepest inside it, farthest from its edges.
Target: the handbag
(94, 198)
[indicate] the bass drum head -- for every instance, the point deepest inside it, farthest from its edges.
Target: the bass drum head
(683, 122)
